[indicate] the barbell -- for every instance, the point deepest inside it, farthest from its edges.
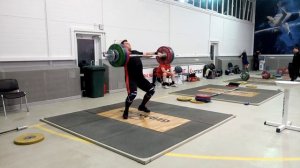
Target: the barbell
(117, 55)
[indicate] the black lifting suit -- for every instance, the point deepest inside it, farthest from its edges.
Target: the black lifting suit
(134, 78)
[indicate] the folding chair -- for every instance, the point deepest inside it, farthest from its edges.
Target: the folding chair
(9, 89)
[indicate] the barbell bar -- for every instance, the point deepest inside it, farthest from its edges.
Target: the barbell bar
(114, 55)
(117, 55)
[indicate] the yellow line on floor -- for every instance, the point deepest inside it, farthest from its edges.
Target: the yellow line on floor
(228, 158)
(61, 134)
(178, 155)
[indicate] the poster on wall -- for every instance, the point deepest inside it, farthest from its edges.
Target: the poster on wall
(197, 69)
(148, 72)
(277, 26)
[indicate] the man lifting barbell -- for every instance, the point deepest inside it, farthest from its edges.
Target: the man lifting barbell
(134, 78)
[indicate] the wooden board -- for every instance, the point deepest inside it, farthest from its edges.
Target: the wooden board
(233, 93)
(242, 93)
(155, 121)
(213, 90)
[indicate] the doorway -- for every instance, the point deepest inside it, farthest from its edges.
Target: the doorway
(88, 54)
(88, 49)
(213, 51)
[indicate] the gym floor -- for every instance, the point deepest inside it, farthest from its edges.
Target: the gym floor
(242, 142)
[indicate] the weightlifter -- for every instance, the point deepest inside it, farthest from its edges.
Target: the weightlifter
(245, 61)
(295, 66)
(164, 71)
(134, 78)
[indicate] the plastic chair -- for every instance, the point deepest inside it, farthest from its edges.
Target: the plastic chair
(9, 89)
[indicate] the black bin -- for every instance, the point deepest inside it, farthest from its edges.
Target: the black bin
(94, 81)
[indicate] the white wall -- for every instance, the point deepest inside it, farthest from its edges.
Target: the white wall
(22, 29)
(237, 37)
(145, 23)
(65, 14)
(149, 24)
(41, 29)
(189, 32)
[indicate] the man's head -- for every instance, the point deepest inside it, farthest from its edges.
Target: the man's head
(126, 44)
(296, 49)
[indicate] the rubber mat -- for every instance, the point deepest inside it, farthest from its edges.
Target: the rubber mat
(259, 80)
(142, 139)
(241, 95)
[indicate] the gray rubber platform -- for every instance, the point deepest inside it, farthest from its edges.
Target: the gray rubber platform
(261, 96)
(258, 81)
(138, 143)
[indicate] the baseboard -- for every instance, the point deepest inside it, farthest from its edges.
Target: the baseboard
(17, 106)
(117, 90)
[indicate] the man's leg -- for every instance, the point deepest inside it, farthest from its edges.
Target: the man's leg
(132, 92)
(165, 83)
(247, 68)
(297, 72)
(291, 71)
(146, 86)
(173, 80)
(128, 102)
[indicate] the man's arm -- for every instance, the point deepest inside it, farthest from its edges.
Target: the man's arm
(150, 54)
(146, 54)
(164, 70)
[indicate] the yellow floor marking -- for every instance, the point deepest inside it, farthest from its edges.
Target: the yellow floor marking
(61, 134)
(202, 157)
(229, 158)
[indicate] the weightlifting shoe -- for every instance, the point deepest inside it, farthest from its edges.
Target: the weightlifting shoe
(145, 111)
(165, 85)
(125, 115)
(173, 84)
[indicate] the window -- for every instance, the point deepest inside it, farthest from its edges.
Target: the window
(190, 2)
(246, 10)
(215, 5)
(229, 6)
(209, 4)
(197, 3)
(237, 13)
(225, 3)
(219, 6)
(203, 4)
(250, 12)
(242, 9)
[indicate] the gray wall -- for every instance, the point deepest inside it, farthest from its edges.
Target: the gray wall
(48, 80)
(222, 62)
(114, 77)
(44, 80)
(272, 63)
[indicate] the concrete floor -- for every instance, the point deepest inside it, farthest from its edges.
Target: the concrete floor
(242, 142)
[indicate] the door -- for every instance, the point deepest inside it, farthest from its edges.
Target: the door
(88, 49)
(88, 53)
(213, 52)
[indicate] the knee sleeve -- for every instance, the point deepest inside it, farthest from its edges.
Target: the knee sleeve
(131, 97)
(151, 92)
